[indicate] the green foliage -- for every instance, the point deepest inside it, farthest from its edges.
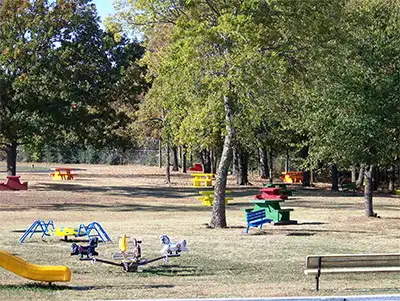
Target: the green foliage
(61, 74)
(354, 113)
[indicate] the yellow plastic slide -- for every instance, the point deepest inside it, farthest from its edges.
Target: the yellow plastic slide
(32, 271)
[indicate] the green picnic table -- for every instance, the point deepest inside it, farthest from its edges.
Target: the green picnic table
(274, 211)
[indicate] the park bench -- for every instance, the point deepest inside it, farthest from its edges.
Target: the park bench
(350, 186)
(351, 263)
(256, 218)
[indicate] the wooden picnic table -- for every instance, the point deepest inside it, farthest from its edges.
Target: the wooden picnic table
(202, 179)
(292, 177)
(274, 211)
(62, 173)
(13, 183)
(207, 197)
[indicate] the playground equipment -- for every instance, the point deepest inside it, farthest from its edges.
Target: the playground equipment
(89, 250)
(130, 261)
(40, 226)
(35, 272)
(170, 247)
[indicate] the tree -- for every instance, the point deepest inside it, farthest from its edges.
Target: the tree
(225, 63)
(359, 90)
(57, 73)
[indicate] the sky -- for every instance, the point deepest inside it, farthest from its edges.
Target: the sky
(104, 8)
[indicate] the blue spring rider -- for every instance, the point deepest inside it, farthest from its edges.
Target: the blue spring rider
(93, 229)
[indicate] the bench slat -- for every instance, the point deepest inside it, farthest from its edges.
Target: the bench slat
(352, 270)
(356, 260)
(351, 263)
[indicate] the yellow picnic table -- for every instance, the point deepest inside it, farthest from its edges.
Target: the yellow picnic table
(207, 197)
(62, 173)
(202, 179)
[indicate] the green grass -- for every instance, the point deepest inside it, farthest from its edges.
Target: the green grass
(220, 263)
(25, 168)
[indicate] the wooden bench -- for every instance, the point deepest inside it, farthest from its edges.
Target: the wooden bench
(256, 218)
(351, 263)
(351, 186)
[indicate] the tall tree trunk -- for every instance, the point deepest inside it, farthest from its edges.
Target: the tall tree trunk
(306, 173)
(391, 176)
(368, 192)
(159, 153)
(242, 175)
(263, 162)
(335, 183)
(206, 161)
(353, 174)
(306, 178)
(175, 163)
(218, 219)
(360, 179)
(167, 164)
(11, 150)
(213, 161)
(375, 178)
(287, 167)
(183, 152)
(271, 165)
(235, 161)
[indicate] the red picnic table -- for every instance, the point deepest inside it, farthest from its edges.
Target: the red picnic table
(13, 183)
(271, 194)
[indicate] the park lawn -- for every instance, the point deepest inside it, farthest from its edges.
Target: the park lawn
(134, 200)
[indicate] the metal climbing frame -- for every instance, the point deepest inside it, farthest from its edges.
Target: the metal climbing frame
(95, 226)
(44, 229)
(40, 226)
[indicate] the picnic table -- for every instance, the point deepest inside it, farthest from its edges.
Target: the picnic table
(271, 193)
(207, 197)
(13, 183)
(292, 177)
(283, 188)
(274, 211)
(62, 173)
(202, 179)
(273, 185)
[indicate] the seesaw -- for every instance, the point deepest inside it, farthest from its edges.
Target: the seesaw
(130, 261)
(93, 229)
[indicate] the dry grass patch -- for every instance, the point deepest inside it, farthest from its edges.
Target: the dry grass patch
(220, 263)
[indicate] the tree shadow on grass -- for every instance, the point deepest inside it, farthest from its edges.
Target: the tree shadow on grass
(43, 287)
(138, 207)
(140, 191)
(170, 270)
